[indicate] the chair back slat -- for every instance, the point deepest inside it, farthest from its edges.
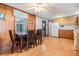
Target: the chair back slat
(11, 36)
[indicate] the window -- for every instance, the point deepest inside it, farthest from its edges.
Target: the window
(21, 28)
(2, 16)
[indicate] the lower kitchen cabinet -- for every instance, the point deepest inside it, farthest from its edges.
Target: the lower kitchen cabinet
(78, 41)
(66, 34)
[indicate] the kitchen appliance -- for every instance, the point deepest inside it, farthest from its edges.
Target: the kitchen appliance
(53, 29)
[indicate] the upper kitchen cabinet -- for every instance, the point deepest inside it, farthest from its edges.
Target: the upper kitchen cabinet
(67, 20)
(73, 20)
(77, 20)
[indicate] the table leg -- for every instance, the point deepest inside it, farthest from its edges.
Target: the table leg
(27, 43)
(20, 43)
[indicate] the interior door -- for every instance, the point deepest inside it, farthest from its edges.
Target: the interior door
(44, 28)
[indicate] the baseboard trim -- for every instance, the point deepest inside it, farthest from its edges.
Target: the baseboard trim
(54, 36)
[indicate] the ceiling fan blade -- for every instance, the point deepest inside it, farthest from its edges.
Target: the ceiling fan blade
(43, 9)
(30, 8)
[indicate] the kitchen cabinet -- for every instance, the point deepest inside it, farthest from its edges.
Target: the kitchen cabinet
(67, 20)
(77, 20)
(73, 20)
(78, 41)
(66, 34)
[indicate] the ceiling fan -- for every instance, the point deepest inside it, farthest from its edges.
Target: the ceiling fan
(38, 7)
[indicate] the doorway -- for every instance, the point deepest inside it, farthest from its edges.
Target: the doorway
(44, 28)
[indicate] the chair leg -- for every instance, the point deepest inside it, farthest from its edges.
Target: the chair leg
(36, 43)
(21, 44)
(41, 40)
(12, 48)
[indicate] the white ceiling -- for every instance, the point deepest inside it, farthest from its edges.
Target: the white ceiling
(51, 10)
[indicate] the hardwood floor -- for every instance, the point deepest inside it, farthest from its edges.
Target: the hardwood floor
(51, 47)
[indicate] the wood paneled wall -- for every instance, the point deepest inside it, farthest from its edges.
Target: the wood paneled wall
(9, 25)
(31, 22)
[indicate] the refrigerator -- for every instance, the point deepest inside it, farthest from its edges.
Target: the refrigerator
(53, 29)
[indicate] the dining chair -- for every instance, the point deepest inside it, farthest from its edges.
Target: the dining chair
(31, 38)
(12, 40)
(39, 36)
(15, 40)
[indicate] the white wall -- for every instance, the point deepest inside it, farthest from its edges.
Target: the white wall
(69, 27)
(38, 23)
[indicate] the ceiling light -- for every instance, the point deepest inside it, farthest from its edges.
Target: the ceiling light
(38, 7)
(37, 4)
(77, 12)
(59, 16)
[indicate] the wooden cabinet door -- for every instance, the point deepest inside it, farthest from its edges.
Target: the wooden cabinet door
(78, 41)
(67, 20)
(66, 34)
(61, 33)
(69, 34)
